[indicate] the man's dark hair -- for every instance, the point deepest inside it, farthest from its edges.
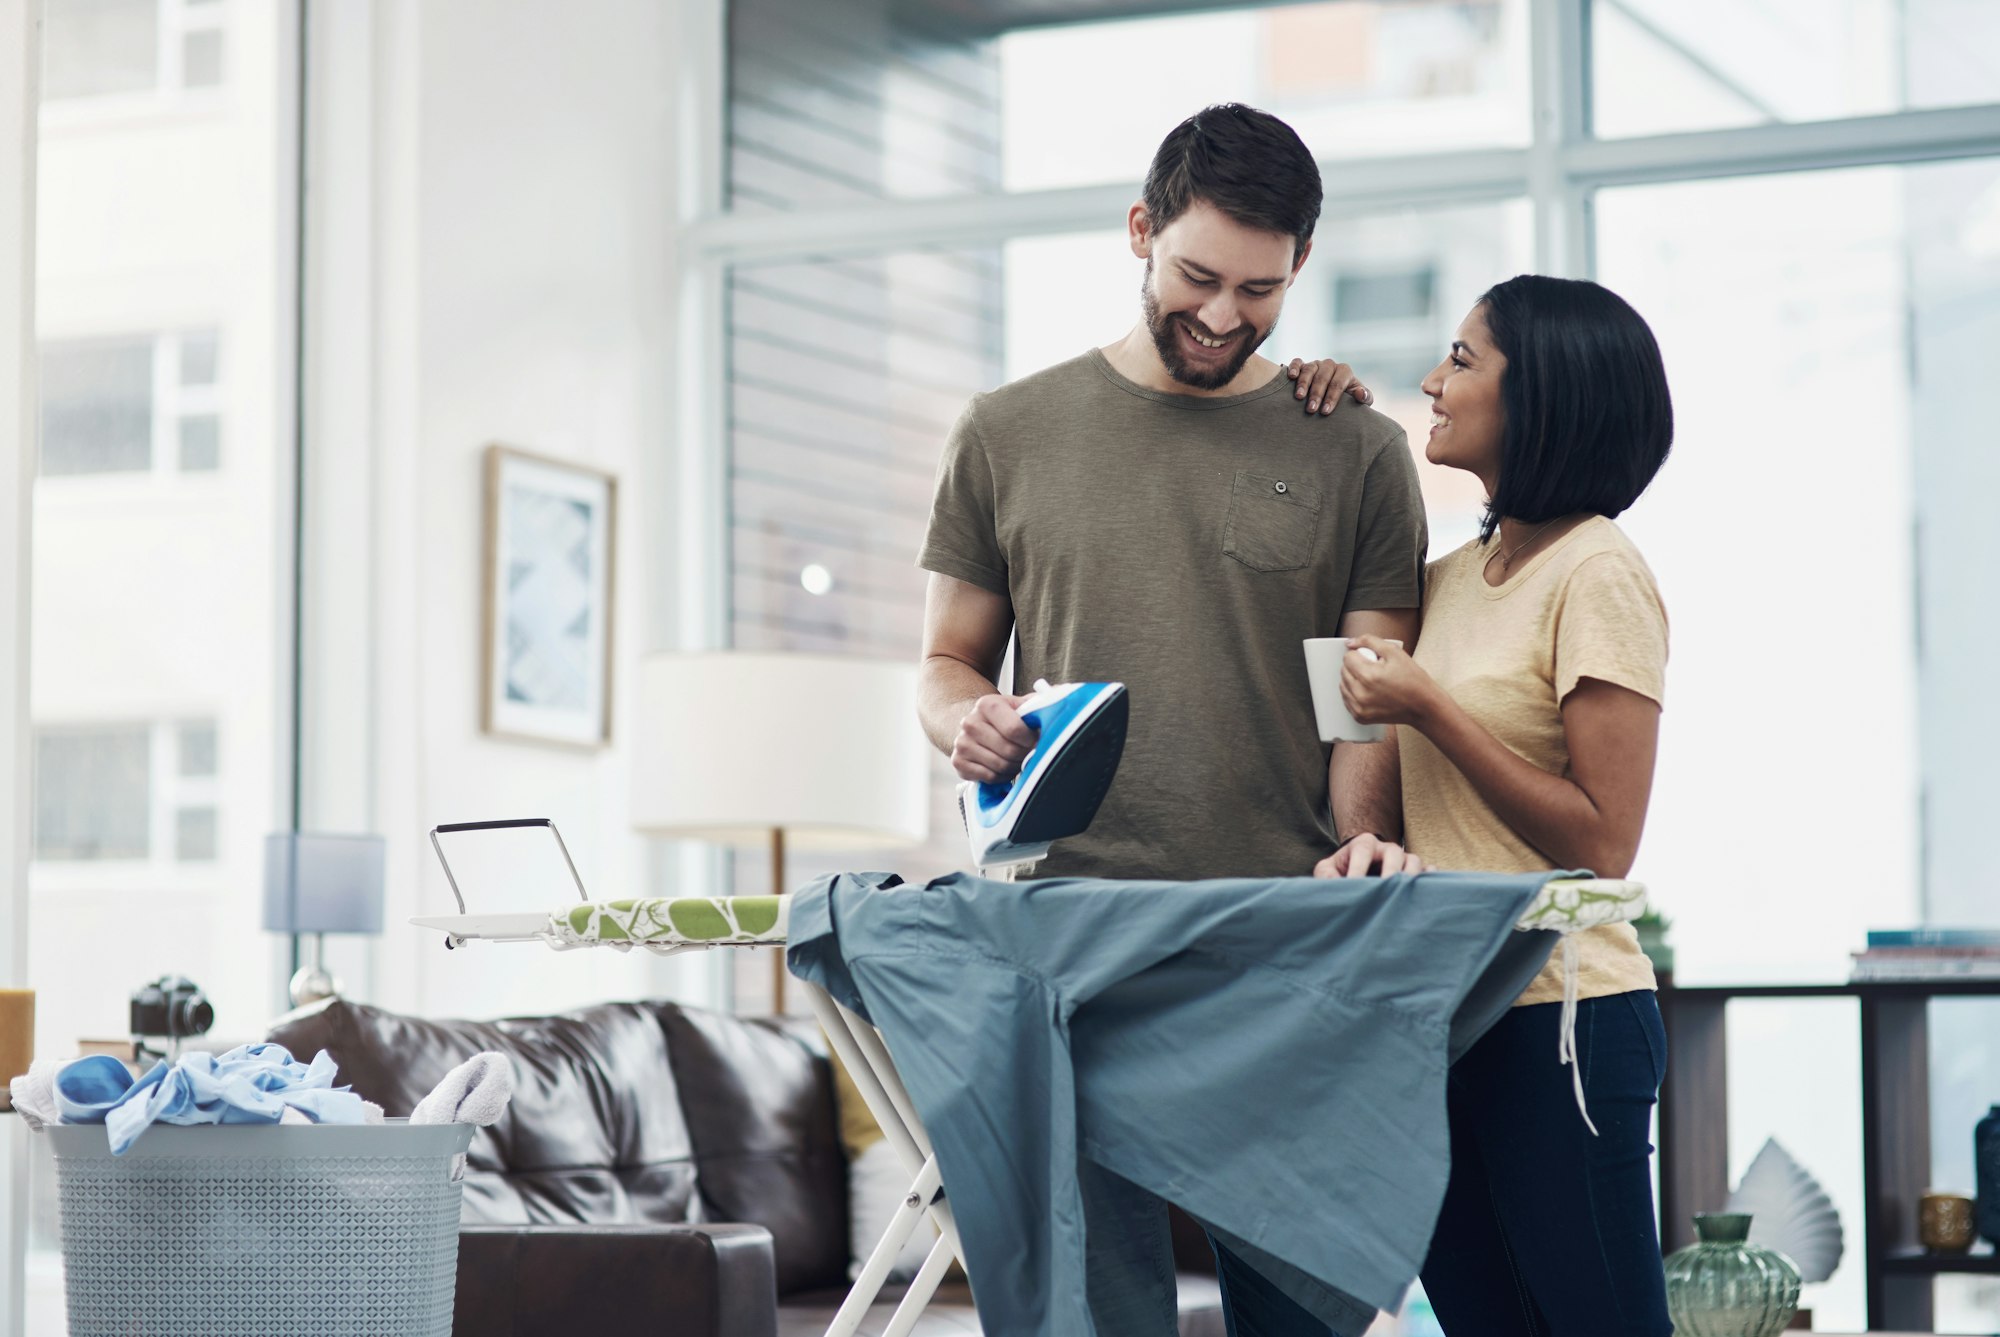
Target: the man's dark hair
(1589, 419)
(1245, 162)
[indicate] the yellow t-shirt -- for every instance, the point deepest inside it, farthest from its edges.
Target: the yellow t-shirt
(1508, 654)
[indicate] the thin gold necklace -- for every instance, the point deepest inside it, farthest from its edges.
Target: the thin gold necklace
(1507, 558)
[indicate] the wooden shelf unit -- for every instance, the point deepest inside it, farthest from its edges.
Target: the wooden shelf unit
(1918, 1262)
(1895, 1127)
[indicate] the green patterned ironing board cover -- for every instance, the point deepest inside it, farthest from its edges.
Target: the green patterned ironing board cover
(1565, 905)
(674, 921)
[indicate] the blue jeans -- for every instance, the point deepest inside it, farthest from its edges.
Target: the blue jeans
(1547, 1231)
(1253, 1307)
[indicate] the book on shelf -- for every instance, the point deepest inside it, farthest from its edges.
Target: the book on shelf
(1934, 937)
(1879, 966)
(1929, 954)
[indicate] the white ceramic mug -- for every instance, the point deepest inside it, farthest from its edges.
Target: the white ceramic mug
(1323, 656)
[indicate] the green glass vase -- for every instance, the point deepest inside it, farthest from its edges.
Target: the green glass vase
(1724, 1286)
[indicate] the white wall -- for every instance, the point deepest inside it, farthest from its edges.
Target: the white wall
(491, 261)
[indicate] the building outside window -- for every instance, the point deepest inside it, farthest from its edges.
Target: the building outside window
(127, 49)
(1357, 79)
(131, 404)
(162, 599)
(1663, 66)
(93, 793)
(135, 793)
(1388, 319)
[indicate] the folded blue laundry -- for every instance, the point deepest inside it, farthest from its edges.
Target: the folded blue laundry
(88, 1088)
(249, 1084)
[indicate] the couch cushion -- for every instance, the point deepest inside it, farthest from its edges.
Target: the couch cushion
(594, 1132)
(758, 1099)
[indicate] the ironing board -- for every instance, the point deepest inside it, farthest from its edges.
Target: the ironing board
(673, 925)
(670, 926)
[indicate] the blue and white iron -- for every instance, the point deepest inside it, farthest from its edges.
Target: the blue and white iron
(1061, 782)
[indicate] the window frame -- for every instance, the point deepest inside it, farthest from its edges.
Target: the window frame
(20, 89)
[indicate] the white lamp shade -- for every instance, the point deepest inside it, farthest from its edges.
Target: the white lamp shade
(316, 883)
(732, 746)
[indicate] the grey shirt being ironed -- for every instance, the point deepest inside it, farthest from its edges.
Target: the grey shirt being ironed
(1185, 546)
(1269, 1054)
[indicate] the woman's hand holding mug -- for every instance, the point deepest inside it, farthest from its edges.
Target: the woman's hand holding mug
(1381, 684)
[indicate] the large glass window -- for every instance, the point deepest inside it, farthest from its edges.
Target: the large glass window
(161, 601)
(1819, 331)
(1797, 450)
(159, 640)
(1818, 533)
(1663, 66)
(845, 376)
(849, 101)
(1356, 78)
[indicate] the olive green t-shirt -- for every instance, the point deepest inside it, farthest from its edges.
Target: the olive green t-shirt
(1184, 546)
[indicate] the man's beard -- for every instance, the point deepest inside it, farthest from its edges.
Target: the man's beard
(1168, 344)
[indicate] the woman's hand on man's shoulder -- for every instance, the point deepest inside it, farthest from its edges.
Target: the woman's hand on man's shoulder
(1323, 383)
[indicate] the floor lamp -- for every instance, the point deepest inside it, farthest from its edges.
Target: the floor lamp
(790, 751)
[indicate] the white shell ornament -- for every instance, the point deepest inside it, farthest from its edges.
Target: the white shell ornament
(1790, 1212)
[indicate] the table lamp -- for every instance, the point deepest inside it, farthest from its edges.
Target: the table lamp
(321, 884)
(810, 752)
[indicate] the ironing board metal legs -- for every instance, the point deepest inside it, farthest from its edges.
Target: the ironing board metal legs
(867, 1061)
(760, 922)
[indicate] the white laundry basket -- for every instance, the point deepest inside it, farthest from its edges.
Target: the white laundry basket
(261, 1231)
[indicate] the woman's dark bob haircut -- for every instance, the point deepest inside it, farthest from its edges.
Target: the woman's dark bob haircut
(1589, 420)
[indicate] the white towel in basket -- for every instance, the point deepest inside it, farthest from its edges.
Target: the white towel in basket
(476, 1091)
(34, 1093)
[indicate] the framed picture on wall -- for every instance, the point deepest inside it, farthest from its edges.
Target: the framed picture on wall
(551, 532)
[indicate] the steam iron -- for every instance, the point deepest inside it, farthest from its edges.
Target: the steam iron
(1062, 781)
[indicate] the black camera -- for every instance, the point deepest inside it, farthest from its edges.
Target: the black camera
(171, 1006)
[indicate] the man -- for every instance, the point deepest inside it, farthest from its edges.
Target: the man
(1154, 512)
(1157, 512)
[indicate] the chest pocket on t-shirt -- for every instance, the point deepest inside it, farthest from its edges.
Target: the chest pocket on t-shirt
(1272, 522)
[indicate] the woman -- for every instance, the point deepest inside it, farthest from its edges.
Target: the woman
(1531, 720)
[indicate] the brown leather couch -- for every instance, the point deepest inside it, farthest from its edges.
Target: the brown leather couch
(661, 1169)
